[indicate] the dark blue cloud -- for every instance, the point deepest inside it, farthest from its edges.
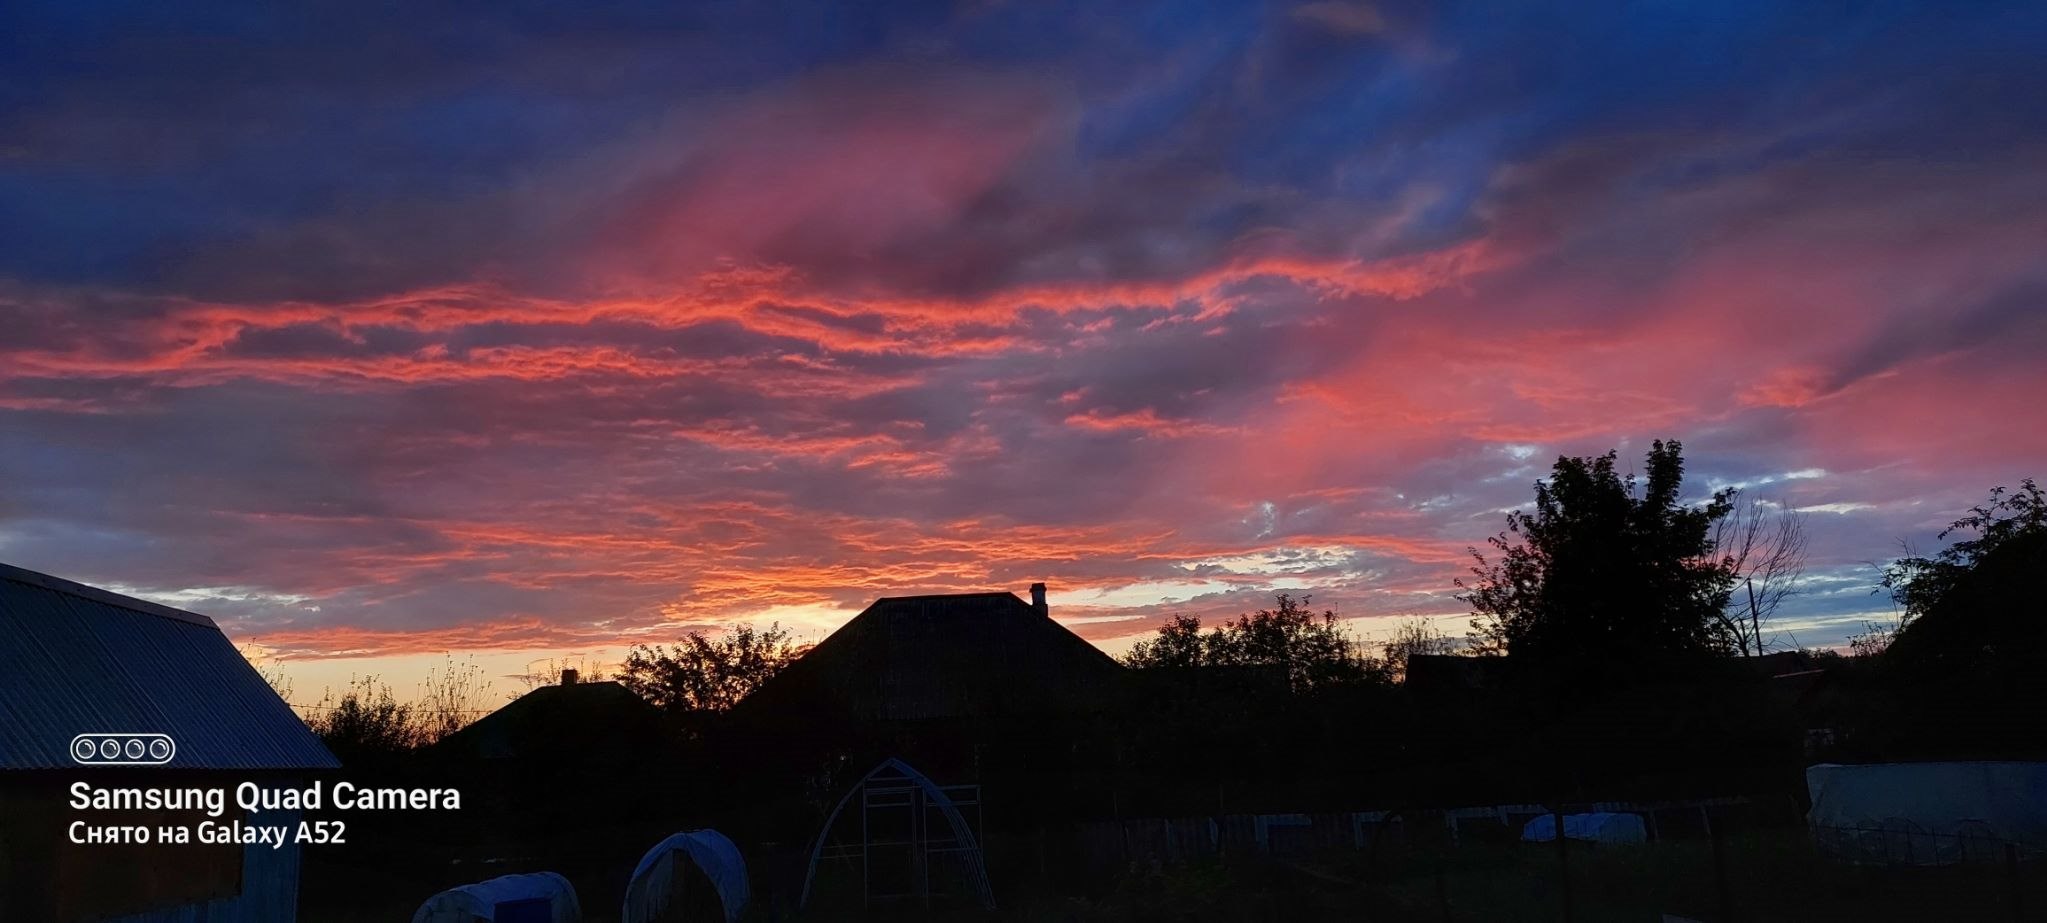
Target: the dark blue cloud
(1120, 283)
(147, 144)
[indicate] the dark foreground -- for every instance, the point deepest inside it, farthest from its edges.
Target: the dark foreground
(1757, 875)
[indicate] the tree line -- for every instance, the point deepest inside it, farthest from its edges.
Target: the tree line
(1603, 571)
(1608, 567)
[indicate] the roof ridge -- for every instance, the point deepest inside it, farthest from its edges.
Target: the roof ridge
(108, 597)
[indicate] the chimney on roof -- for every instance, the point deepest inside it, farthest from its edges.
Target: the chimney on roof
(1038, 599)
(569, 677)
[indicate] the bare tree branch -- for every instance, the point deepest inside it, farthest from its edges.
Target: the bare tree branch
(1762, 545)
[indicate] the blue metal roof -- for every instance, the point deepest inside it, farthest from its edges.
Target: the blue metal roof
(79, 660)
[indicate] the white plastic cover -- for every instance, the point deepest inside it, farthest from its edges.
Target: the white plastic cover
(480, 901)
(1599, 827)
(651, 888)
(1927, 813)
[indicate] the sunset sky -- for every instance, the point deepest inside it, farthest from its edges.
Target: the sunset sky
(374, 331)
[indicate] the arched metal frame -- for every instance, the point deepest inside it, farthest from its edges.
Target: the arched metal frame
(895, 770)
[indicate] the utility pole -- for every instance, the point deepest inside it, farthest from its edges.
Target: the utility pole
(1755, 620)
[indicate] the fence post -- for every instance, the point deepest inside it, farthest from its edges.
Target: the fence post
(2011, 874)
(1443, 895)
(1222, 821)
(1720, 875)
(1563, 860)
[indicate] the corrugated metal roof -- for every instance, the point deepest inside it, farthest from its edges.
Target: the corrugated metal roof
(77, 660)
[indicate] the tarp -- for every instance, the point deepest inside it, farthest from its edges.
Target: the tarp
(1599, 827)
(653, 887)
(1927, 813)
(541, 897)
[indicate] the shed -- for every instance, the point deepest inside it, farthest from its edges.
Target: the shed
(538, 897)
(660, 886)
(170, 704)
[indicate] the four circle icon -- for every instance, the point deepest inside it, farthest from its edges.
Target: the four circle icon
(123, 749)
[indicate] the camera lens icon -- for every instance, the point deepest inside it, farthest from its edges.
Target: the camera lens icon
(123, 749)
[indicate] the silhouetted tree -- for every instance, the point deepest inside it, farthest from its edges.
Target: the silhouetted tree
(1918, 583)
(1263, 704)
(1312, 651)
(1762, 546)
(451, 698)
(1178, 644)
(268, 667)
(708, 675)
(1413, 636)
(1962, 674)
(1874, 639)
(1601, 569)
(1966, 606)
(365, 724)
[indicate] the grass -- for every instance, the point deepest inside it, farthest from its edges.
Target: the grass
(1769, 875)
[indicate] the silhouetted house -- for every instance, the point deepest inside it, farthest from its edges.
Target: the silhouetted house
(116, 692)
(937, 658)
(972, 687)
(574, 722)
(588, 763)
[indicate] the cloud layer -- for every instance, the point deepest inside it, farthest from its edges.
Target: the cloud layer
(549, 330)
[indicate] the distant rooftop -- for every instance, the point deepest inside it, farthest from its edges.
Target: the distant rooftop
(577, 721)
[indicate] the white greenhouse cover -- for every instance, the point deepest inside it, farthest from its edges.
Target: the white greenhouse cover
(480, 901)
(650, 891)
(1927, 813)
(1598, 827)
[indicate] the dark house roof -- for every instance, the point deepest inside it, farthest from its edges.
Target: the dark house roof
(910, 658)
(576, 722)
(79, 660)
